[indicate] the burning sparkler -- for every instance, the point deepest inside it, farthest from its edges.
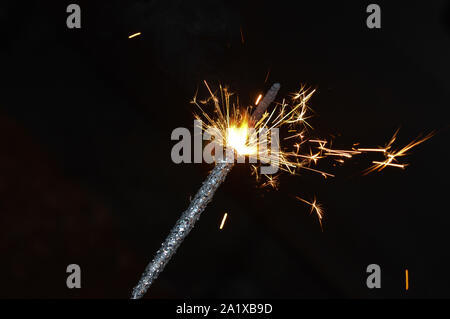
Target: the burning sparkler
(187, 220)
(246, 134)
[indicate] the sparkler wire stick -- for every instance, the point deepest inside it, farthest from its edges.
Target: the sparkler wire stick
(187, 220)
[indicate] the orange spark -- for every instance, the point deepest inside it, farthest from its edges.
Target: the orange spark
(134, 35)
(272, 181)
(258, 99)
(267, 76)
(315, 207)
(389, 164)
(391, 156)
(223, 220)
(318, 141)
(296, 135)
(333, 152)
(372, 150)
(324, 174)
(406, 279)
(312, 157)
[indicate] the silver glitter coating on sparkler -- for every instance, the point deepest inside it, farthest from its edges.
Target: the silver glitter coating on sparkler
(187, 220)
(182, 228)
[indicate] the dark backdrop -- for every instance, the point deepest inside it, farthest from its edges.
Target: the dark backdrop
(85, 169)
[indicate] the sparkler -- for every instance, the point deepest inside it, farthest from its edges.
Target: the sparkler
(245, 133)
(187, 220)
(391, 156)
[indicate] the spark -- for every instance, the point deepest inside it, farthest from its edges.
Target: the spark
(319, 141)
(383, 150)
(255, 172)
(223, 220)
(406, 279)
(295, 135)
(258, 99)
(334, 152)
(389, 164)
(391, 156)
(134, 35)
(324, 174)
(312, 157)
(272, 181)
(315, 207)
(267, 75)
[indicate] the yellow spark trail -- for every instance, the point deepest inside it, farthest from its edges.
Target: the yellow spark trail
(134, 35)
(223, 220)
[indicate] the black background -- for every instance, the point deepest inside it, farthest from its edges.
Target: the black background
(86, 175)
